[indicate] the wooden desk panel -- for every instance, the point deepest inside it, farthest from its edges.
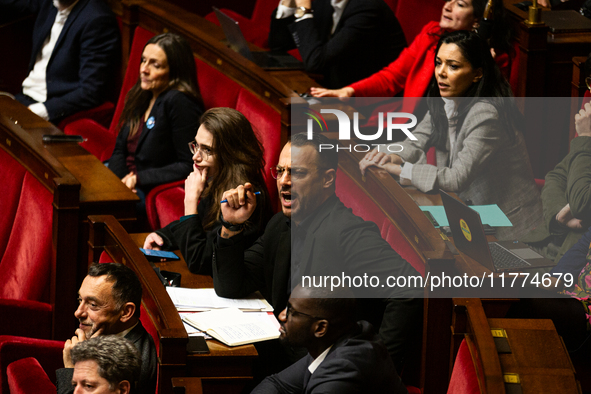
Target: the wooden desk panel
(538, 356)
(223, 360)
(545, 70)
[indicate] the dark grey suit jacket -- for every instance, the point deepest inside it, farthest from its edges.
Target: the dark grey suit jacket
(357, 363)
(367, 38)
(145, 344)
(85, 60)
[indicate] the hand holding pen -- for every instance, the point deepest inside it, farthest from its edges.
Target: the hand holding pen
(239, 203)
(226, 200)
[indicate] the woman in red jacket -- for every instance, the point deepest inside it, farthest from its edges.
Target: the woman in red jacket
(414, 68)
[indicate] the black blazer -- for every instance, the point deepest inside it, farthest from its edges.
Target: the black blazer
(162, 154)
(356, 363)
(335, 242)
(196, 244)
(368, 37)
(86, 57)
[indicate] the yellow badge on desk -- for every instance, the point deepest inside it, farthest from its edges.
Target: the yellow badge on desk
(465, 230)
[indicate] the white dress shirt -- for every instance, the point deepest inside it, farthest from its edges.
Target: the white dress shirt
(35, 85)
(318, 360)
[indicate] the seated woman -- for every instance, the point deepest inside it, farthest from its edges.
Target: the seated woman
(413, 70)
(226, 153)
(473, 124)
(160, 115)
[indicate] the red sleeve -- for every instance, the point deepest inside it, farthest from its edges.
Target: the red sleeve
(504, 62)
(392, 79)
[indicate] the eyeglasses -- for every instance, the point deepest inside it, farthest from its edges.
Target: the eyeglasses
(295, 173)
(204, 152)
(289, 311)
(588, 82)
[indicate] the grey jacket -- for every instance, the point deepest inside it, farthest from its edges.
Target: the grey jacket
(484, 167)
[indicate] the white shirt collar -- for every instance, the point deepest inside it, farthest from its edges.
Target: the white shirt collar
(338, 12)
(451, 106)
(316, 363)
(66, 11)
(340, 5)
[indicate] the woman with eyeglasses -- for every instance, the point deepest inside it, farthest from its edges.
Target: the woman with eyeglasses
(226, 153)
(160, 115)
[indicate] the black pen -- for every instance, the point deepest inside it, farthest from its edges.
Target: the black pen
(223, 201)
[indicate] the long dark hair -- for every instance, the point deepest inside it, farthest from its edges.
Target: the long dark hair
(492, 88)
(240, 159)
(182, 76)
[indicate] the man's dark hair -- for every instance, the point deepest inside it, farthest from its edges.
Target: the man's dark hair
(116, 357)
(327, 158)
(337, 304)
(126, 285)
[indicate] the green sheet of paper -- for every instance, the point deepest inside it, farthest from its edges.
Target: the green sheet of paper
(490, 214)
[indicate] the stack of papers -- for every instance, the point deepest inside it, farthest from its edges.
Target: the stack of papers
(234, 327)
(205, 299)
(489, 214)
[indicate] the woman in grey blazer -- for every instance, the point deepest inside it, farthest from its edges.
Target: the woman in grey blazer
(474, 126)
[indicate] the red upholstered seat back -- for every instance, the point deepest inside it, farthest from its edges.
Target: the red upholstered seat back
(140, 38)
(167, 206)
(464, 378)
(216, 89)
(26, 376)
(11, 177)
(414, 14)
(151, 329)
(149, 326)
(256, 28)
(363, 206)
(13, 348)
(266, 123)
(586, 98)
(25, 263)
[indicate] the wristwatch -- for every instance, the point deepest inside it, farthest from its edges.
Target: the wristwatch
(231, 227)
(301, 11)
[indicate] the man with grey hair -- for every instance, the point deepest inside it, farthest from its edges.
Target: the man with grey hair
(105, 364)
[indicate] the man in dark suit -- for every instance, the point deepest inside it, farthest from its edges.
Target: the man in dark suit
(343, 40)
(75, 57)
(109, 304)
(315, 235)
(108, 364)
(344, 355)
